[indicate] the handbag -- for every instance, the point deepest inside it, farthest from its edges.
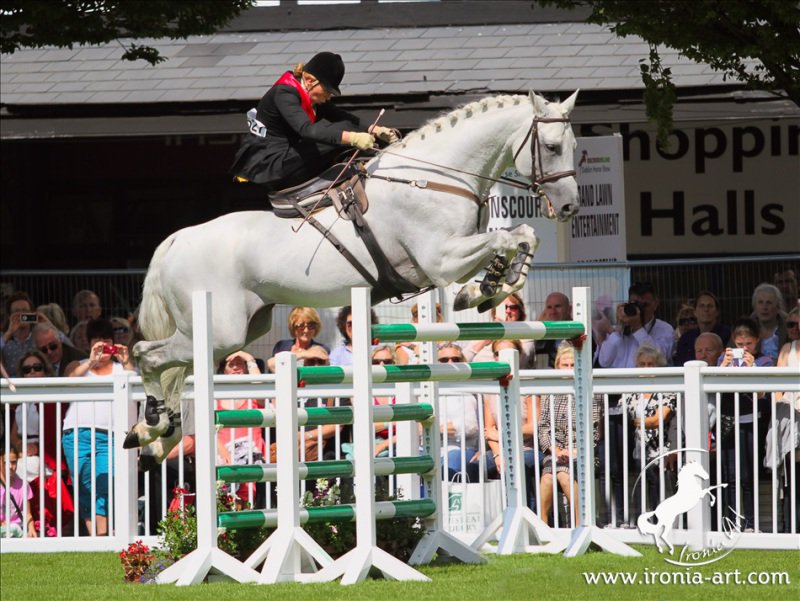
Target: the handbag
(471, 506)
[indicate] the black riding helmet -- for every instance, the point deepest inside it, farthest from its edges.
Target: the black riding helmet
(328, 68)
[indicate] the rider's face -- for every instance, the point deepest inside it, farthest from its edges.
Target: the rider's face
(318, 93)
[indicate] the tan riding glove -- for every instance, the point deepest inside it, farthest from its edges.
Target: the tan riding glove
(386, 134)
(361, 140)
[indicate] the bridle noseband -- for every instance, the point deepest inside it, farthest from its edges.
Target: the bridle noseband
(536, 154)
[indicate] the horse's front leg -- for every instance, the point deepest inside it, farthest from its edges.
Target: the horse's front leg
(514, 252)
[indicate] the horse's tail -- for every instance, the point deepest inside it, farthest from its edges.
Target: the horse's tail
(155, 319)
(644, 524)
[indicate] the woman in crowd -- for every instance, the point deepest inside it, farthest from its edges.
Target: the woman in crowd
(87, 426)
(492, 425)
(512, 309)
(343, 353)
(304, 324)
(651, 414)
(239, 446)
(458, 418)
(557, 438)
(41, 449)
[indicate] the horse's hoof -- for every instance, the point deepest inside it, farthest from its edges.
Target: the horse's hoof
(147, 463)
(462, 300)
(131, 441)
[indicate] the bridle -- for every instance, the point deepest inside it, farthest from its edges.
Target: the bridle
(535, 187)
(536, 156)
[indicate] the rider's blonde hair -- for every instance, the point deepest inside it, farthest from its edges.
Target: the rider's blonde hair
(298, 69)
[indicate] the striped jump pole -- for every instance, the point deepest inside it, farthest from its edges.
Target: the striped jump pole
(270, 518)
(495, 330)
(313, 470)
(392, 374)
(320, 416)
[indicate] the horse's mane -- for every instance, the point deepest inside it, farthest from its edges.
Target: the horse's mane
(461, 113)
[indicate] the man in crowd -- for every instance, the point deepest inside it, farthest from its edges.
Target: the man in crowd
(47, 340)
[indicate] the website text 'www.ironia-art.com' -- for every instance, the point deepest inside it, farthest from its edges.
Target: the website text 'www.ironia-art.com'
(688, 576)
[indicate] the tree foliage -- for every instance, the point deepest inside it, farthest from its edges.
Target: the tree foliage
(64, 23)
(756, 42)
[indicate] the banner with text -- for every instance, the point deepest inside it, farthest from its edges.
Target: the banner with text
(597, 233)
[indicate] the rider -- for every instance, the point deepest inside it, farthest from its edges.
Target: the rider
(297, 132)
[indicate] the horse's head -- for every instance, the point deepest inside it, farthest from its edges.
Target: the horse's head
(543, 151)
(692, 469)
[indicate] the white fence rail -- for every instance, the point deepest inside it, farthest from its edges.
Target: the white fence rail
(138, 502)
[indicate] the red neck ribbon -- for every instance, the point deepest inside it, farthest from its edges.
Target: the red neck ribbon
(288, 79)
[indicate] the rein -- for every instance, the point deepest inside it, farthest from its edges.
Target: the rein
(535, 186)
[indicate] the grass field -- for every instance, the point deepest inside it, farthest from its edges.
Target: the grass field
(73, 576)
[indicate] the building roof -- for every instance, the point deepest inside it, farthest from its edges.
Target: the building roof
(547, 57)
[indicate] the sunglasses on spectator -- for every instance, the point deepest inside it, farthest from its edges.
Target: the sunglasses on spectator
(349, 323)
(450, 360)
(314, 362)
(687, 321)
(53, 346)
(26, 369)
(791, 324)
(305, 326)
(121, 330)
(383, 361)
(513, 307)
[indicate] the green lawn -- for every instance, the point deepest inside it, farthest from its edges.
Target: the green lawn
(30, 577)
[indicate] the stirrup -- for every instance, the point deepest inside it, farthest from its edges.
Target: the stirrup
(494, 272)
(522, 261)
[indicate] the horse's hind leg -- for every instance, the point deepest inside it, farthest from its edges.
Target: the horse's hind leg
(162, 364)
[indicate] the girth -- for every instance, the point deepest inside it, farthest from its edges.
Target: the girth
(351, 203)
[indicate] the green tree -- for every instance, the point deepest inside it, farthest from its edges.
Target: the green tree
(756, 42)
(64, 23)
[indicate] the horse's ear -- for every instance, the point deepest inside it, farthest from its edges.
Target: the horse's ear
(538, 102)
(569, 103)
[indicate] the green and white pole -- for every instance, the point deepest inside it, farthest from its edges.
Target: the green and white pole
(496, 330)
(392, 374)
(269, 518)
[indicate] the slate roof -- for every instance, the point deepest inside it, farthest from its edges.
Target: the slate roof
(557, 57)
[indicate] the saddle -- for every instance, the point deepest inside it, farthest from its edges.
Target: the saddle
(345, 188)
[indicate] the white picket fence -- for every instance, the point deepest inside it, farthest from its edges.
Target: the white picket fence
(695, 384)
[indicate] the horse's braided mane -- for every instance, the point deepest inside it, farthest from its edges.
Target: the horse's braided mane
(460, 113)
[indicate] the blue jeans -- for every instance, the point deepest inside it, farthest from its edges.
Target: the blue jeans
(83, 475)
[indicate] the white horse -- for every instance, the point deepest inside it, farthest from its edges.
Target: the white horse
(689, 494)
(427, 210)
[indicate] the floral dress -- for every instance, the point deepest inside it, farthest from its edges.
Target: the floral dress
(640, 407)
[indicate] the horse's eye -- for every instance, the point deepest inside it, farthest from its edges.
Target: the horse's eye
(551, 147)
